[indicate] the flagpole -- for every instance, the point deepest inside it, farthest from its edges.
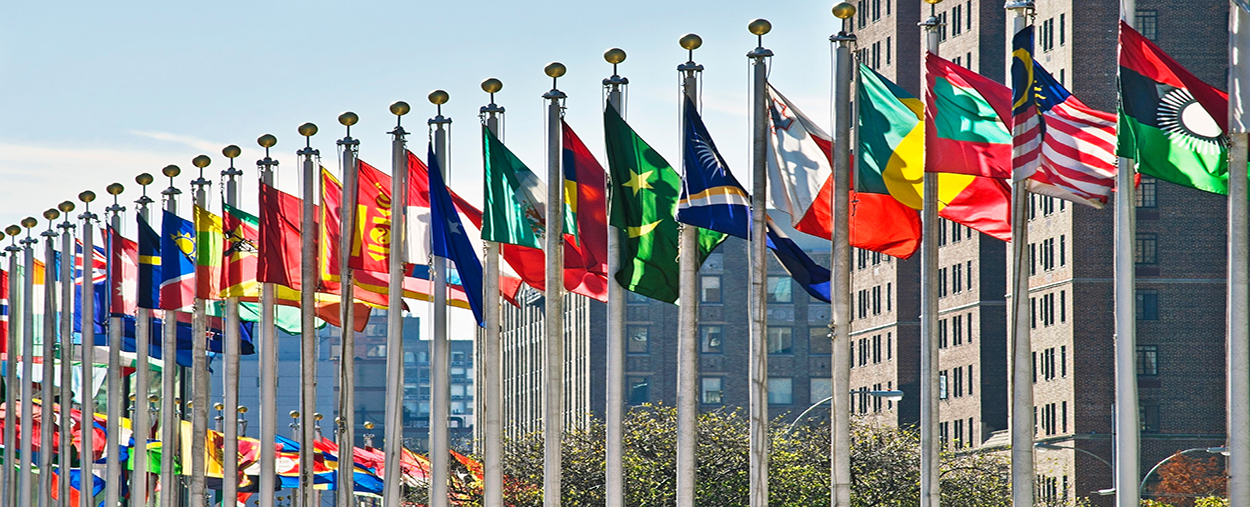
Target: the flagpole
(231, 347)
(170, 400)
(307, 299)
(88, 349)
(348, 357)
(614, 410)
(930, 444)
(553, 313)
(1126, 444)
(67, 226)
(1021, 341)
(113, 480)
(47, 389)
(268, 356)
(491, 365)
(28, 370)
(1238, 258)
(199, 360)
(8, 493)
(394, 425)
(141, 423)
(688, 330)
(440, 387)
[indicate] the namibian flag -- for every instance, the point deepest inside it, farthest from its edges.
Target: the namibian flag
(966, 122)
(1171, 122)
(149, 266)
(178, 240)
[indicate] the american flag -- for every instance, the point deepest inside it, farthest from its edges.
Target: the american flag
(1061, 147)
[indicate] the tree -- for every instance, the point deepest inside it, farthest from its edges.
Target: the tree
(1185, 479)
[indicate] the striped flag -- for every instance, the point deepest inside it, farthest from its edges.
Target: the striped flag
(711, 198)
(1026, 121)
(4, 312)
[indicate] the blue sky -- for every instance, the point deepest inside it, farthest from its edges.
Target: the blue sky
(97, 92)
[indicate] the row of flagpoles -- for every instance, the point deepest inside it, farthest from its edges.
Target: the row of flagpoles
(330, 266)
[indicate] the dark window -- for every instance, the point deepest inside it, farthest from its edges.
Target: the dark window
(942, 282)
(1063, 306)
(1062, 30)
(970, 381)
(1149, 417)
(779, 290)
(887, 40)
(957, 278)
(968, 16)
(1063, 361)
(942, 392)
(1148, 360)
(1146, 250)
(638, 342)
(876, 10)
(1147, 191)
(1063, 250)
(639, 390)
(957, 26)
(1148, 24)
(970, 265)
(1147, 304)
(711, 339)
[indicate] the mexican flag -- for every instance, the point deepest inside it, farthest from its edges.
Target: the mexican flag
(1170, 122)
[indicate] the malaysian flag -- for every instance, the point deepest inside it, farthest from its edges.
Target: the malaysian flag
(1062, 147)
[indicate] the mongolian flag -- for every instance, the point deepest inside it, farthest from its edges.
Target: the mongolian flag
(371, 285)
(149, 289)
(371, 242)
(966, 122)
(586, 255)
(209, 243)
(177, 262)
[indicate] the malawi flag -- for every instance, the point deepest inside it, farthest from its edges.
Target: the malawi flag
(1171, 122)
(966, 122)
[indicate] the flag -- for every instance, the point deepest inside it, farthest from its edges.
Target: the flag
(800, 170)
(178, 254)
(966, 118)
(711, 198)
(280, 238)
(890, 149)
(449, 240)
(813, 277)
(4, 313)
(209, 243)
(585, 256)
(516, 207)
(241, 235)
(644, 193)
(149, 288)
(371, 239)
(1171, 123)
(1064, 148)
(123, 267)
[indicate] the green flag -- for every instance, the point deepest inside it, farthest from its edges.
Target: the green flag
(644, 191)
(515, 211)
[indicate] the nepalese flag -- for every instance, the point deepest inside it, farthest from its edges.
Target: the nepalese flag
(711, 197)
(586, 255)
(178, 241)
(966, 122)
(449, 239)
(124, 276)
(148, 285)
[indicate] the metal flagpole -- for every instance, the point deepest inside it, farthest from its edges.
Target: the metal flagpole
(199, 361)
(268, 356)
(688, 327)
(65, 449)
(141, 424)
(553, 313)
(840, 324)
(113, 466)
(930, 444)
(347, 359)
(170, 400)
(758, 297)
(1021, 342)
(491, 345)
(440, 388)
(47, 389)
(394, 426)
(307, 300)
(8, 493)
(1126, 440)
(1238, 257)
(28, 365)
(614, 451)
(88, 346)
(230, 368)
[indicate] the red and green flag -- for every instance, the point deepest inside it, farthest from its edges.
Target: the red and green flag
(966, 122)
(1172, 123)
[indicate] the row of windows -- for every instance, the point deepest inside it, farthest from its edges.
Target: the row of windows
(951, 331)
(1054, 419)
(959, 278)
(1045, 312)
(957, 232)
(961, 20)
(1045, 205)
(780, 290)
(1046, 33)
(1048, 254)
(958, 440)
(871, 350)
(872, 55)
(867, 258)
(870, 9)
(869, 301)
(862, 401)
(951, 383)
(712, 340)
(1049, 492)
(712, 390)
(1044, 363)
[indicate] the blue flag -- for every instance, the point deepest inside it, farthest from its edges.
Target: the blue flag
(711, 197)
(450, 241)
(149, 266)
(177, 262)
(813, 277)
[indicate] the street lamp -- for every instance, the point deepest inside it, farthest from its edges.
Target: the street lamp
(1101, 492)
(1141, 489)
(887, 395)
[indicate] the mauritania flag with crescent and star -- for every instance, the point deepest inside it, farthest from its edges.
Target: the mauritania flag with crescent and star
(178, 240)
(711, 197)
(644, 194)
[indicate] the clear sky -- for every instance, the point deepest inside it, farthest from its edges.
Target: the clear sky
(97, 92)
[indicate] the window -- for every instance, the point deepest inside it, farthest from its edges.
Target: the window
(969, 320)
(889, 302)
(959, 433)
(876, 300)
(970, 265)
(1146, 191)
(711, 339)
(970, 381)
(959, 382)
(639, 342)
(1147, 304)
(1063, 306)
(710, 390)
(957, 278)
(710, 289)
(942, 282)
(1148, 360)
(941, 232)
(957, 330)
(942, 334)
(1032, 258)
(1146, 249)
(819, 341)
(876, 349)
(780, 391)
(634, 297)
(639, 390)
(1149, 413)
(968, 15)
(1062, 29)
(889, 346)
(957, 233)
(863, 14)
(942, 393)
(821, 389)
(1033, 313)
(887, 40)
(957, 25)
(1148, 24)
(863, 351)
(942, 27)
(1063, 249)
(780, 340)
(779, 290)
(876, 10)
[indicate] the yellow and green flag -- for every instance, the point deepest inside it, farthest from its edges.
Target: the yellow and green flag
(208, 239)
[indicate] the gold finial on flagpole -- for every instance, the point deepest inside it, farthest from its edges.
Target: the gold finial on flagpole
(267, 141)
(115, 189)
(400, 108)
(846, 10)
(554, 70)
(51, 214)
(66, 206)
(231, 152)
(347, 119)
(492, 86)
(201, 161)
